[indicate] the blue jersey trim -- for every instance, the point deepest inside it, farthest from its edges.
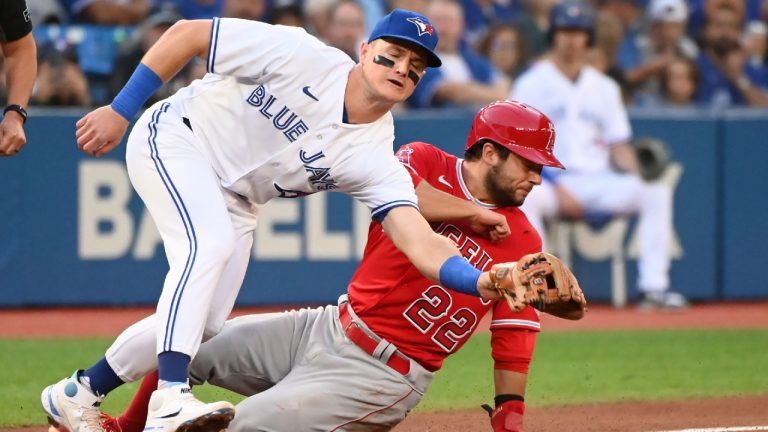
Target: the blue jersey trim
(186, 220)
(379, 213)
(213, 44)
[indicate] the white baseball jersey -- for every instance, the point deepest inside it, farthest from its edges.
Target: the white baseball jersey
(588, 114)
(269, 115)
(265, 122)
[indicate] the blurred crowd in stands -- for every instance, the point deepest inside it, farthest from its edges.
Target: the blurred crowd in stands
(672, 53)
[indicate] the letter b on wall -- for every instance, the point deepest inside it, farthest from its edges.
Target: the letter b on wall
(105, 225)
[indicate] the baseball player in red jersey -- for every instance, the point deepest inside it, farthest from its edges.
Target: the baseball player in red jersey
(364, 364)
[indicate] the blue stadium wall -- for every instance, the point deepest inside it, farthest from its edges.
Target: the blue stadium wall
(73, 232)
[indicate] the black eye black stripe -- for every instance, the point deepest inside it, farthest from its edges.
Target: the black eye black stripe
(381, 60)
(414, 77)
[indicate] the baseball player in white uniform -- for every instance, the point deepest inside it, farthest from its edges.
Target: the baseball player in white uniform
(279, 114)
(593, 132)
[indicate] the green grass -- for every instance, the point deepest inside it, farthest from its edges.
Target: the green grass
(584, 367)
(30, 365)
(568, 368)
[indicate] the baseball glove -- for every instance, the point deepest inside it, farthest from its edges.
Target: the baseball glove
(542, 281)
(653, 157)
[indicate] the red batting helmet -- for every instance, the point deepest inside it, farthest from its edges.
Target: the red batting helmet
(518, 127)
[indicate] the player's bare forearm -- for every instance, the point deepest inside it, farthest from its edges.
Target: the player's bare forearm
(178, 45)
(468, 93)
(438, 206)
(21, 70)
(754, 95)
(624, 157)
(21, 66)
(426, 250)
(646, 70)
(413, 236)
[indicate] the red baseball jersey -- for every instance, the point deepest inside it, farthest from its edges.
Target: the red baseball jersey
(426, 321)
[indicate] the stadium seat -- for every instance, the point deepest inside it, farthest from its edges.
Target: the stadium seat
(604, 235)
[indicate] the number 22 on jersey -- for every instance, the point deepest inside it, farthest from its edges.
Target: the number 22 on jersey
(434, 304)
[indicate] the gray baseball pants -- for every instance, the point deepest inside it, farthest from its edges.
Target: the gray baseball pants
(301, 373)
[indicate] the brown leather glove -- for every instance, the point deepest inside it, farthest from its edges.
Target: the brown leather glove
(540, 280)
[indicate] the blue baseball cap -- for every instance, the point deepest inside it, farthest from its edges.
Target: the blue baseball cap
(409, 26)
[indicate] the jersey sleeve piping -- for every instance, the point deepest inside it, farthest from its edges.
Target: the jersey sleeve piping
(212, 45)
(408, 166)
(381, 211)
(515, 323)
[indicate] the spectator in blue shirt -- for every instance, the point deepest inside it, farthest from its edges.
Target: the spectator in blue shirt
(725, 77)
(199, 9)
(290, 15)
(663, 42)
(465, 78)
(533, 22)
(631, 13)
(748, 10)
(479, 15)
(254, 10)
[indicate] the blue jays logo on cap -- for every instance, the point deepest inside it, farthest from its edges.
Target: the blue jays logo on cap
(424, 27)
(409, 26)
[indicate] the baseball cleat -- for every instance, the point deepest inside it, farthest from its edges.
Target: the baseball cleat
(175, 409)
(71, 406)
(662, 300)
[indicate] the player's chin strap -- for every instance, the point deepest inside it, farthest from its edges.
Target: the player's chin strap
(388, 63)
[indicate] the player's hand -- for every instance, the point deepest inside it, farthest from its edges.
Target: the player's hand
(486, 288)
(489, 224)
(100, 131)
(12, 137)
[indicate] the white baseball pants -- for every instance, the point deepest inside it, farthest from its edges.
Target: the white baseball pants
(617, 193)
(207, 233)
